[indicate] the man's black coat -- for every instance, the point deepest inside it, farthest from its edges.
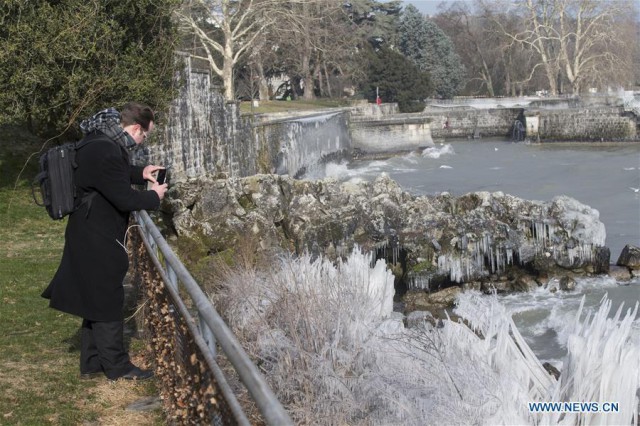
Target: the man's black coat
(88, 282)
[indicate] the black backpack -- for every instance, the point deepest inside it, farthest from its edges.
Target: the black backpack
(60, 196)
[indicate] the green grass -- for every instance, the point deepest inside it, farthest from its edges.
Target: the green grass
(39, 374)
(39, 367)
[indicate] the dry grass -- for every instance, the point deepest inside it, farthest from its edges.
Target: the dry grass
(111, 399)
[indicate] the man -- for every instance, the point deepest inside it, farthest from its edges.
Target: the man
(89, 280)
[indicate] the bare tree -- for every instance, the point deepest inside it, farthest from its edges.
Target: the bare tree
(309, 34)
(482, 33)
(224, 31)
(518, 64)
(250, 75)
(588, 37)
(574, 40)
(316, 42)
(257, 62)
(474, 43)
(539, 33)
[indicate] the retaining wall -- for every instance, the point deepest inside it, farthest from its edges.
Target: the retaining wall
(392, 134)
(457, 123)
(203, 134)
(601, 124)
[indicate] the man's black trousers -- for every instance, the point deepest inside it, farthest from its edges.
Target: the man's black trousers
(102, 349)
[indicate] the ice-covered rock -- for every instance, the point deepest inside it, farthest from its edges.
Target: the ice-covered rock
(430, 241)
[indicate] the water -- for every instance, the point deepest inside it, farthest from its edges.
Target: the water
(603, 176)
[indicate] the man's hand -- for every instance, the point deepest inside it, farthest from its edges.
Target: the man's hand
(147, 173)
(160, 189)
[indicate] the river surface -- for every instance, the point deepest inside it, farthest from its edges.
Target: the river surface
(603, 176)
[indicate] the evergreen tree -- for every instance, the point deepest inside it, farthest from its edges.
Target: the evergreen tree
(413, 37)
(396, 78)
(61, 61)
(430, 49)
(374, 21)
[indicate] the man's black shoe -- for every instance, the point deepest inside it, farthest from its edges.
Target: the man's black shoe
(91, 375)
(137, 374)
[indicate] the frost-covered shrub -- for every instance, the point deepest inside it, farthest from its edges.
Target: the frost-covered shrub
(334, 352)
(311, 324)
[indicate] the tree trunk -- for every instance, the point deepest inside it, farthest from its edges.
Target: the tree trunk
(507, 82)
(488, 79)
(320, 81)
(326, 73)
(551, 76)
(227, 68)
(263, 86)
(560, 84)
(229, 90)
(541, 44)
(307, 77)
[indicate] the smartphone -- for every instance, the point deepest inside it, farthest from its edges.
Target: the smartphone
(162, 176)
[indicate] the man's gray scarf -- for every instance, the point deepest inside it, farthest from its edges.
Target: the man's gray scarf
(108, 122)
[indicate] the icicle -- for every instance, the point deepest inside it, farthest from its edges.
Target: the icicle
(420, 282)
(464, 242)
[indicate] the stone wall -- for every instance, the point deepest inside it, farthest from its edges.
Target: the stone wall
(581, 124)
(461, 123)
(547, 120)
(204, 134)
(390, 134)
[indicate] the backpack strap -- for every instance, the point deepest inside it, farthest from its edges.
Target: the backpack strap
(87, 197)
(35, 187)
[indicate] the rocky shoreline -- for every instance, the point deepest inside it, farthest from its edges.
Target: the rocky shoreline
(436, 246)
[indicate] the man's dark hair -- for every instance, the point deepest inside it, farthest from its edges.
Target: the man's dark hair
(136, 113)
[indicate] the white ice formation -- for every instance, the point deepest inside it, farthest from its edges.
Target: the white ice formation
(336, 353)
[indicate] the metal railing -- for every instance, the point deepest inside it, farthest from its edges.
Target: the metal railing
(185, 336)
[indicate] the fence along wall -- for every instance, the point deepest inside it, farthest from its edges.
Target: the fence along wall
(188, 340)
